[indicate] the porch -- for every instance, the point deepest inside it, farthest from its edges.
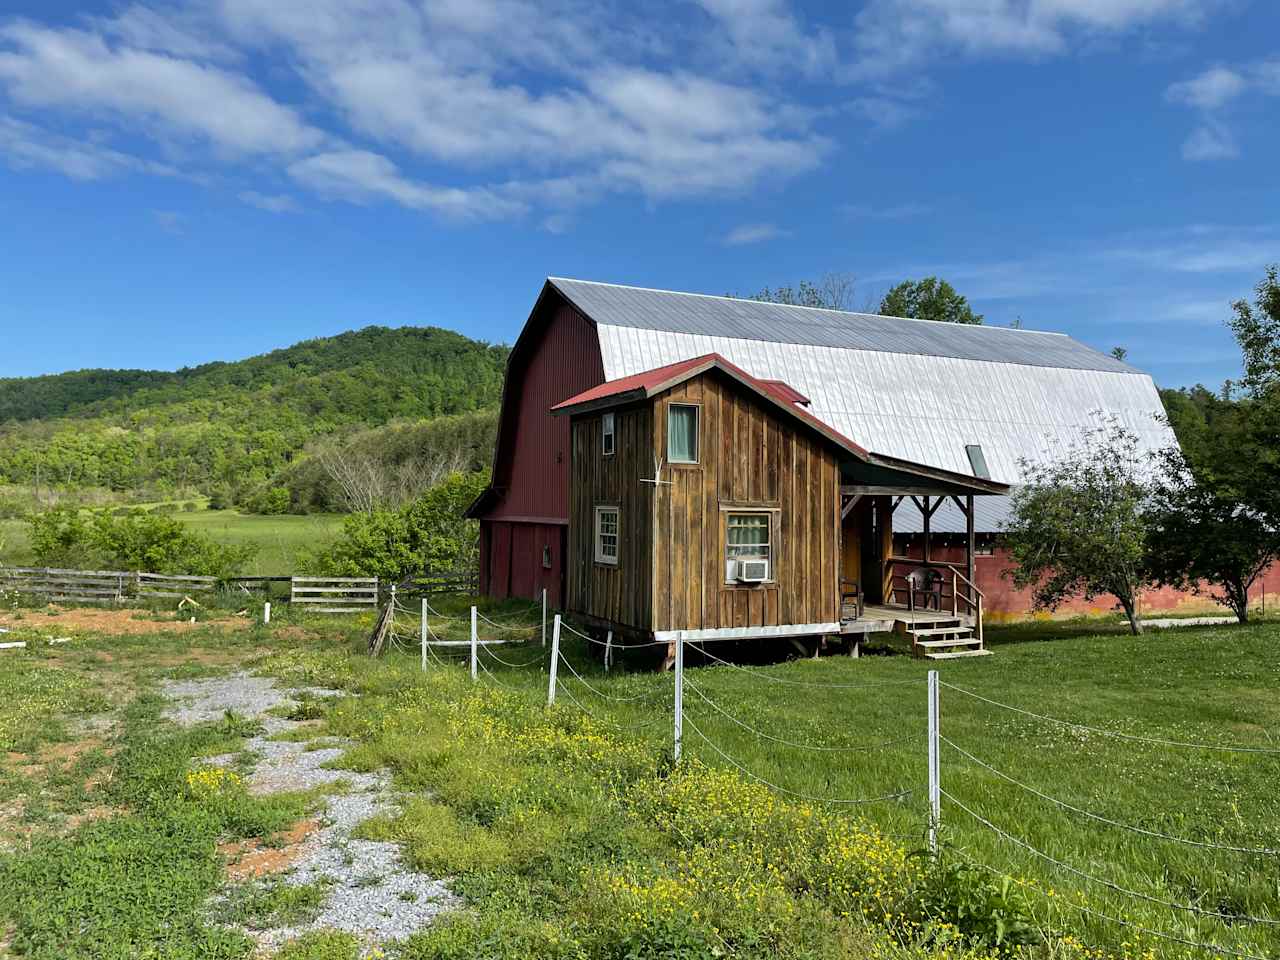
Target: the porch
(935, 603)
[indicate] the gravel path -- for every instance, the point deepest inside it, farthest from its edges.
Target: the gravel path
(373, 894)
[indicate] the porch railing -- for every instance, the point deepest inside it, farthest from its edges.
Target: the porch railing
(971, 598)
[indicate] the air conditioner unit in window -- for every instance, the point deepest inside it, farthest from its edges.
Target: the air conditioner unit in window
(753, 571)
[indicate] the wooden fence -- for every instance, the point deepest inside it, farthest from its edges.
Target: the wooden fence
(335, 594)
(160, 585)
(456, 581)
(77, 586)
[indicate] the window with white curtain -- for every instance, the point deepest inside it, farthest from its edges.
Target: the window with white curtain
(682, 433)
(747, 537)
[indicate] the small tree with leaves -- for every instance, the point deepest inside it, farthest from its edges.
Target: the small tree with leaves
(1204, 539)
(1079, 524)
(928, 299)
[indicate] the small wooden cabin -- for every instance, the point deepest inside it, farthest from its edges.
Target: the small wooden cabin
(708, 502)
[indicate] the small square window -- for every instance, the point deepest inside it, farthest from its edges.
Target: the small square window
(607, 435)
(607, 535)
(682, 433)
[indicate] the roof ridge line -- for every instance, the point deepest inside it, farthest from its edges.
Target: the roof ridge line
(798, 306)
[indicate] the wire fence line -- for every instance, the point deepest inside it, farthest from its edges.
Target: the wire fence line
(566, 625)
(794, 793)
(1132, 828)
(1120, 921)
(1159, 741)
(598, 693)
(1109, 884)
(860, 748)
(805, 683)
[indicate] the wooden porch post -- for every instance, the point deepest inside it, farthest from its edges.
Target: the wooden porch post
(968, 540)
(927, 515)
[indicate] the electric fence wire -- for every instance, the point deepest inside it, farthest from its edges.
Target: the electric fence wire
(860, 748)
(806, 683)
(565, 625)
(1110, 885)
(508, 663)
(599, 693)
(1129, 924)
(1132, 828)
(1159, 741)
(563, 688)
(780, 789)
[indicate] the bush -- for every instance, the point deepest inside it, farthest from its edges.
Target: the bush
(269, 500)
(134, 540)
(429, 535)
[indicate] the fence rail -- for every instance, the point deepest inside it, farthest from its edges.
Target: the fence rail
(78, 586)
(335, 594)
(456, 581)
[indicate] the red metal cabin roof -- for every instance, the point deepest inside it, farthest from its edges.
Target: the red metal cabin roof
(651, 382)
(787, 390)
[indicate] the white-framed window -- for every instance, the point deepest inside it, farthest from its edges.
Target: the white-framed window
(682, 433)
(607, 535)
(607, 436)
(748, 547)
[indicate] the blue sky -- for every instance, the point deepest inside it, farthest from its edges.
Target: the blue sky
(210, 179)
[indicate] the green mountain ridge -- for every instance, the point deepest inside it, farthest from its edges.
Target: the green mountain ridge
(233, 425)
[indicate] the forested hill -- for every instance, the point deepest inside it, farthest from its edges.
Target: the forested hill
(359, 376)
(231, 426)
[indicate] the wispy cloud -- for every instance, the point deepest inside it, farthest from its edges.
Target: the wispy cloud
(1201, 248)
(749, 233)
(1211, 93)
(901, 211)
(272, 203)
(476, 109)
(27, 145)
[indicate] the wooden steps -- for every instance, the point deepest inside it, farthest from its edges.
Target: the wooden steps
(943, 639)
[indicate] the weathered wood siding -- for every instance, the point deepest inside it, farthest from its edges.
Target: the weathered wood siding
(621, 594)
(751, 459)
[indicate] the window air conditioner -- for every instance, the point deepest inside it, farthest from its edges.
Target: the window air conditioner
(753, 571)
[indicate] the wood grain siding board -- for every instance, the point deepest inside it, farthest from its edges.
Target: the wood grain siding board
(618, 593)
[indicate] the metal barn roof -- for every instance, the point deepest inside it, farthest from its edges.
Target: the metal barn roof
(912, 389)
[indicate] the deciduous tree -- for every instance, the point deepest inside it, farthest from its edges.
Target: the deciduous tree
(928, 299)
(1079, 524)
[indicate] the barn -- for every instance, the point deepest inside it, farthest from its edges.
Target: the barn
(962, 401)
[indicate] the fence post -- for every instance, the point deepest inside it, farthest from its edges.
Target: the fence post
(424, 634)
(544, 616)
(266, 612)
(555, 661)
(474, 644)
(679, 707)
(608, 652)
(935, 772)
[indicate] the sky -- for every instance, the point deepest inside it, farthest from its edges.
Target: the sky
(210, 179)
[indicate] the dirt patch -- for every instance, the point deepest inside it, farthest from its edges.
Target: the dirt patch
(110, 622)
(86, 816)
(250, 859)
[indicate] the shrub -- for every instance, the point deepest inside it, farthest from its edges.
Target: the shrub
(269, 500)
(134, 540)
(428, 535)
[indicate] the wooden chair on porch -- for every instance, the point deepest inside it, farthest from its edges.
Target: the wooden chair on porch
(851, 595)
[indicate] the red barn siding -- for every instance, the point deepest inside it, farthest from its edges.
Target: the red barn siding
(557, 356)
(1003, 601)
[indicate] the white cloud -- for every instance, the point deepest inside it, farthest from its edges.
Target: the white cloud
(361, 176)
(80, 71)
(749, 233)
(1210, 142)
(1210, 89)
(896, 34)
(1212, 92)
(766, 36)
(1201, 248)
(901, 211)
(28, 146)
(272, 203)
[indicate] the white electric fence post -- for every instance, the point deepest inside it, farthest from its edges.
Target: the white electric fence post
(935, 772)
(544, 616)
(608, 652)
(393, 610)
(474, 644)
(555, 661)
(424, 634)
(266, 612)
(679, 706)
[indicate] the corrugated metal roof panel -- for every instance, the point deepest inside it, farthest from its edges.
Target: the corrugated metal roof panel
(701, 315)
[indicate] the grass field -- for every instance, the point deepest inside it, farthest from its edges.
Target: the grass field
(572, 835)
(278, 538)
